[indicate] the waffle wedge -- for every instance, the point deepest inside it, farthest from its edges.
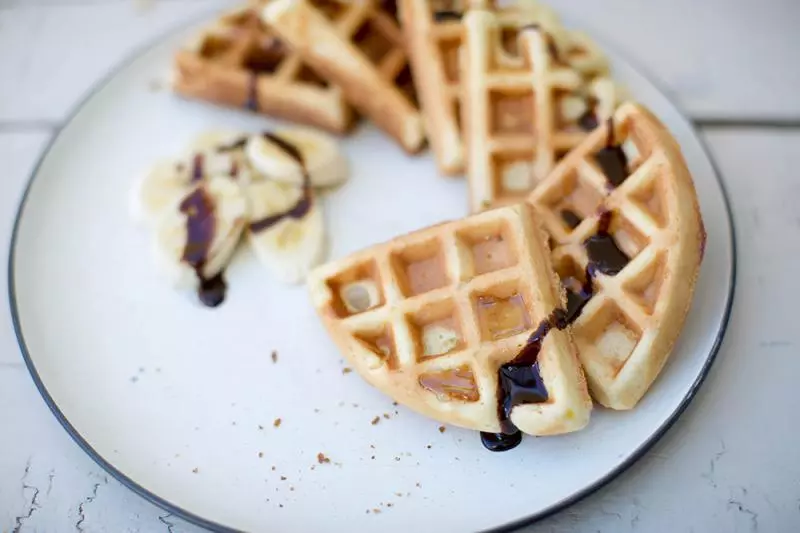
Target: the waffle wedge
(239, 62)
(433, 32)
(627, 240)
(525, 108)
(359, 46)
(434, 317)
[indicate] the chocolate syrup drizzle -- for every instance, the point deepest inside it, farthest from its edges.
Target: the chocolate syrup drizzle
(570, 218)
(201, 224)
(197, 168)
(252, 93)
(612, 159)
(303, 205)
(200, 228)
(520, 381)
(447, 14)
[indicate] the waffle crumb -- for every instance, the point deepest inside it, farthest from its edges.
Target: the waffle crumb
(375, 420)
(321, 459)
(283, 478)
(195, 470)
(277, 422)
(386, 416)
(395, 404)
(346, 370)
(274, 356)
(376, 511)
(389, 504)
(260, 455)
(442, 429)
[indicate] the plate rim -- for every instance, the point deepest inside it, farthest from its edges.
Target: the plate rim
(210, 525)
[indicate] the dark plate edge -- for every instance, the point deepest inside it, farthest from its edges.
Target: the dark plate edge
(213, 526)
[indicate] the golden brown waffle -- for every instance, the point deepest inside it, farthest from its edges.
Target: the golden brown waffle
(525, 107)
(238, 62)
(359, 46)
(434, 33)
(635, 182)
(430, 317)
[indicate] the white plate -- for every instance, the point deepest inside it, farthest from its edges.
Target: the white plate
(178, 401)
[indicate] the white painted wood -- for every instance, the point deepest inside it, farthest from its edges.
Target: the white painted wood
(53, 54)
(719, 58)
(730, 464)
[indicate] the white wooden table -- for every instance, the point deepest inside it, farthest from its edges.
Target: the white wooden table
(731, 463)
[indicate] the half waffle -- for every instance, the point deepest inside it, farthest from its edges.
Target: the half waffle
(627, 241)
(239, 62)
(359, 46)
(524, 108)
(430, 318)
(434, 33)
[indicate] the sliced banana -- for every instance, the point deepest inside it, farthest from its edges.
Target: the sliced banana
(210, 154)
(290, 247)
(156, 191)
(325, 163)
(214, 213)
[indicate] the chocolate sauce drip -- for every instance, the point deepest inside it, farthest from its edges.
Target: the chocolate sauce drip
(570, 218)
(212, 290)
(197, 168)
(303, 205)
(447, 14)
(200, 228)
(252, 93)
(589, 121)
(500, 442)
(519, 381)
(612, 159)
(238, 144)
(604, 254)
(576, 301)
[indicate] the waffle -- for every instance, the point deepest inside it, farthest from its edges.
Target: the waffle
(238, 62)
(359, 46)
(430, 318)
(636, 183)
(434, 33)
(524, 108)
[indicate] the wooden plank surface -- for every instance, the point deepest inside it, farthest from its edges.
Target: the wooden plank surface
(720, 59)
(730, 464)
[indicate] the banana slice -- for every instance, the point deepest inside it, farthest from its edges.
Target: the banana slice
(325, 163)
(198, 233)
(210, 154)
(286, 243)
(156, 191)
